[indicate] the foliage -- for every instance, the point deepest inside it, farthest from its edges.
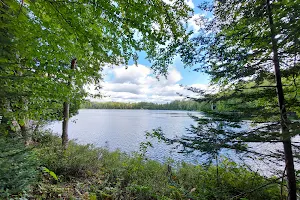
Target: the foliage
(18, 167)
(242, 45)
(116, 175)
(187, 181)
(51, 173)
(87, 172)
(76, 161)
(236, 48)
(40, 39)
(232, 179)
(174, 105)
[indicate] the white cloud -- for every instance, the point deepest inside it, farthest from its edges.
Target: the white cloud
(134, 74)
(200, 86)
(188, 2)
(123, 87)
(174, 76)
(137, 83)
(195, 22)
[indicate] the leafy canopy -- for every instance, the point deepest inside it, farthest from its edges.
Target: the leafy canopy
(235, 48)
(40, 38)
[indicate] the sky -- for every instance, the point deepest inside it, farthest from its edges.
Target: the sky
(137, 83)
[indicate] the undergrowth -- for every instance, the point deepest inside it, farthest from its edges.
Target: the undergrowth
(87, 172)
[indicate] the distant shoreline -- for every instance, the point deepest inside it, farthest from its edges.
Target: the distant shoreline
(134, 109)
(174, 105)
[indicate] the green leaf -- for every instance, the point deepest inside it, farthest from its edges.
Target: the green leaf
(21, 122)
(51, 173)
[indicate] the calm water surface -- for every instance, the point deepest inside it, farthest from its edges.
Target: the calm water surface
(125, 130)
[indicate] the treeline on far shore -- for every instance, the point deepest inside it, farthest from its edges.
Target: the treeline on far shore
(174, 105)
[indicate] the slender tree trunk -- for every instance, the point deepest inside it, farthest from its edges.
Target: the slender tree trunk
(25, 133)
(288, 153)
(24, 126)
(66, 114)
(64, 136)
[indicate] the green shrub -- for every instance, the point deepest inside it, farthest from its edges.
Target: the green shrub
(76, 161)
(226, 181)
(18, 167)
(85, 171)
(133, 176)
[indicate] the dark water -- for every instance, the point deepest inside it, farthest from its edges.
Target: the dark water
(125, 130)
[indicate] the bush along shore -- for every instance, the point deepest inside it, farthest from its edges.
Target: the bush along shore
(43, 170)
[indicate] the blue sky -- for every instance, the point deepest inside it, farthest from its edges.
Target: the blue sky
(188, 75)
(138, 83)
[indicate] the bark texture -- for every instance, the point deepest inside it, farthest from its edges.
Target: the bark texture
(66, 113)
(287, 146)
(64, 136)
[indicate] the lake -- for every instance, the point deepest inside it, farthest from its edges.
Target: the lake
(125, 130)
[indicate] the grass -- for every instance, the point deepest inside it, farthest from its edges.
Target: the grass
(87, 172)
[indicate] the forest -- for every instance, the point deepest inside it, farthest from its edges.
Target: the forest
(173, 105)
(52, 50)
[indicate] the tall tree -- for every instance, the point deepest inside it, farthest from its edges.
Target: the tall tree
(242, 47)
(42, 37)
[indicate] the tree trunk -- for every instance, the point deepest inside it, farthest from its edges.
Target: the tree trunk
(64, 136)
(25, 133)
(66, 113)
(288, 153)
